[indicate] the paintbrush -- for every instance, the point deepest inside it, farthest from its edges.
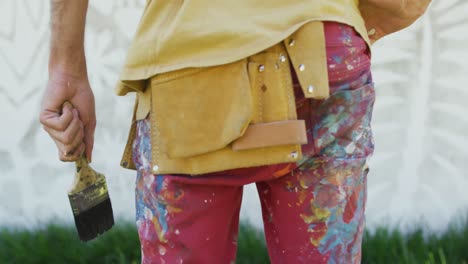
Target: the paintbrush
(90, 202)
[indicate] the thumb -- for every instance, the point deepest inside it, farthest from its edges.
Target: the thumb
(89, 139)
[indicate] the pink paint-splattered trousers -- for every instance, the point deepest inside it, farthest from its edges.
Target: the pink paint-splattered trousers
(313, 210)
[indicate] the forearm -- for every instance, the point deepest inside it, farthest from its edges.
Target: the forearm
(391, 6)
(68, 19)
(383, 17)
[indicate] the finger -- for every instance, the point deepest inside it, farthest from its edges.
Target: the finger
(72, 132)
(67, 137)
(63, 154)
(56, 121)
(78, 152)
(89, 139)
(77, 141)
(74, 155)
(82, 149)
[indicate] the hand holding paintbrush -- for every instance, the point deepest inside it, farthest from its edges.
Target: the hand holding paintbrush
(90, 201)
(88, 195)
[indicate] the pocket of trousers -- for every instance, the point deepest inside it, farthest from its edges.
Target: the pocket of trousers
(202, 112)
(341, 124)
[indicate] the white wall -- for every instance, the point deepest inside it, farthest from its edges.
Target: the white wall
(418, 173)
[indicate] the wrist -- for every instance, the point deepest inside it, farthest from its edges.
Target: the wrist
(70, 62)
(64, 74)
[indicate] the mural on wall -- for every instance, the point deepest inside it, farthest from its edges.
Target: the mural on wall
(420, 169)
(418, 173)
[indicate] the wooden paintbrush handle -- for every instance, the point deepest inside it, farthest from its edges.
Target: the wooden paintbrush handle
(85, 176)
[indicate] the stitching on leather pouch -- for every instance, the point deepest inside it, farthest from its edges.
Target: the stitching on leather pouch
(289, 90)
(169, 76)
(129, 148)
(260, 95)
(165, 77)
(128, 151)
(155, 136)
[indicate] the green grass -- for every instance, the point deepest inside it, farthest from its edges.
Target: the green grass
(384, 246)
(59, 244)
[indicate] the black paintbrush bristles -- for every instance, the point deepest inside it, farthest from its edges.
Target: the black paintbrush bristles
(94, 221)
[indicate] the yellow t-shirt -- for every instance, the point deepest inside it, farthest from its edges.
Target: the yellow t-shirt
(177, 34)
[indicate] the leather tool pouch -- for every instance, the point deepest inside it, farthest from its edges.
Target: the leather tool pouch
(201, 111)
(236, 115)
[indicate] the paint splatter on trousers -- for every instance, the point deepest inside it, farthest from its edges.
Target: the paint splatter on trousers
(313, 210)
